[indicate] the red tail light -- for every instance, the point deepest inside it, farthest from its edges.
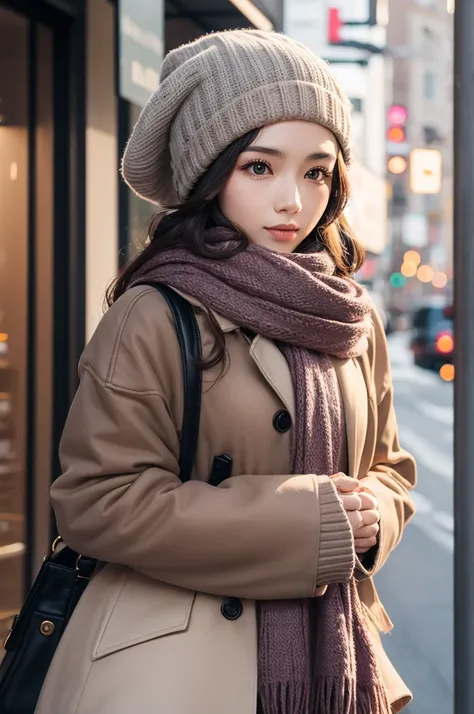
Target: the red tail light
(445, 343)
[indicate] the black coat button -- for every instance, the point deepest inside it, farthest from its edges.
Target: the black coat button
(282, 421)
(232, 608)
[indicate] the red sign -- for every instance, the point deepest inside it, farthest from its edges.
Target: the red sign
(334, 26)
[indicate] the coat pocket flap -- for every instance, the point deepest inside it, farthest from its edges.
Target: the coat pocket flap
(145, 609)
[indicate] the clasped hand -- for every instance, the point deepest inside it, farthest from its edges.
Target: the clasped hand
(362, 511)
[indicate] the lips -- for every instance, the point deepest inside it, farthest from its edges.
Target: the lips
(284, 232)
(283, 227)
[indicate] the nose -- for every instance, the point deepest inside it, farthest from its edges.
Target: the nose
(289, 199)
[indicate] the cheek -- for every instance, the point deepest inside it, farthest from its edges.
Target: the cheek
(317, 203)
(235, 198)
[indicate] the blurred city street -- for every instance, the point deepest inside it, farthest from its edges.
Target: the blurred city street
(75, 76)
(417, 583)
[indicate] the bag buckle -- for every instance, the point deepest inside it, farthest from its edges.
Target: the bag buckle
(55, 544)
(80, 573)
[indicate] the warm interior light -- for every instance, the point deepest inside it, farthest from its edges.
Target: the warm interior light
(3, 336)
(252, 13)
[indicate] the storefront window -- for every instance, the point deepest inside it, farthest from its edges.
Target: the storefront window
(26, 290)
(13, 306)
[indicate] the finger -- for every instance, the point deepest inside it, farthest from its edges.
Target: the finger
(364, 488)
(362, 545)
(355, 520)
(370, 516)
(368, 501)
(367, 531)
(346, 483)
(350, 502)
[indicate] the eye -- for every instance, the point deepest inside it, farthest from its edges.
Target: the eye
(256, 168)
(319, 174)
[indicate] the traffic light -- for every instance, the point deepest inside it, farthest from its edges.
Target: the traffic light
(397, 165)
(397, 115)
(396, 139)
(396, 134)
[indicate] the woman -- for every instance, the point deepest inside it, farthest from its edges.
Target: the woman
(256, 592)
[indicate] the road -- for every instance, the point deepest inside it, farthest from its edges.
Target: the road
(416, 585)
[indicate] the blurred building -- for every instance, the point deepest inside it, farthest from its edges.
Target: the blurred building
(351, 35)
(420, 39)
(73, 77)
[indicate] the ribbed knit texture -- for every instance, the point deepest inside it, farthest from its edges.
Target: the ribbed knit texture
(336, 559)
(216, 89)
(320, 665)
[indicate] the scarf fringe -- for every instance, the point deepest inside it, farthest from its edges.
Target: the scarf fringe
(344, 696)
(331, 695)
(281, 698)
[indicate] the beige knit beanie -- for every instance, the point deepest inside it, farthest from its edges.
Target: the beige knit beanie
(216, 89)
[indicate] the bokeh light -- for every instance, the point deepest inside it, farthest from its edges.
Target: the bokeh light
(447, 372)
(425, 273)
(439, 280)
(445, 344)
(397, 165)
(396, 134)
(412, 256)
(408, 270)
(397, 280)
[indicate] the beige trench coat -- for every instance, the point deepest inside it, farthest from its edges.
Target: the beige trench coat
(150, 633)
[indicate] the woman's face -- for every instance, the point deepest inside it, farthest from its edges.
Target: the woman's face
(281, 184)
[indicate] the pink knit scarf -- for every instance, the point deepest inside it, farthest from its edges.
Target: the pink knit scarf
(315, 656)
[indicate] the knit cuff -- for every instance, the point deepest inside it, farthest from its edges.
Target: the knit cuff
(336, 547)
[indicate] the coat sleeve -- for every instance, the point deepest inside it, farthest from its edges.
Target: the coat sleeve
(392, 472)
(120, 499)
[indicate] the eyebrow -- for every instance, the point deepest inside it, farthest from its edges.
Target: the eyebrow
(317, 156)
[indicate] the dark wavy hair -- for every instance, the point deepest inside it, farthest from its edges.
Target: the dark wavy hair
(196, 223)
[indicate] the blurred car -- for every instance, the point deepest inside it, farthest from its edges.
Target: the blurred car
(432, 338)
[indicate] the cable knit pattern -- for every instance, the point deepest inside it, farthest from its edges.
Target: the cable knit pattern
(214, 90)
(307, 665)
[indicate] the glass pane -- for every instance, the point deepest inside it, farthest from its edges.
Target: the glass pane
(44, 194)
(13, 305)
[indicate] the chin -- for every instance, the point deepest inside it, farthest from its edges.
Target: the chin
(284, 247)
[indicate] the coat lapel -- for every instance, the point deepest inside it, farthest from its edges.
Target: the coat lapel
(274, 367)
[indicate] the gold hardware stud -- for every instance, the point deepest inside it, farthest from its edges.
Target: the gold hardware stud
(56, 542)
(47, 628)
(5, 641)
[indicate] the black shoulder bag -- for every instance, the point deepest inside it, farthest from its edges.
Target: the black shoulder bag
(64, 574)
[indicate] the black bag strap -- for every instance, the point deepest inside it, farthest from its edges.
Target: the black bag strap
(189, 339)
